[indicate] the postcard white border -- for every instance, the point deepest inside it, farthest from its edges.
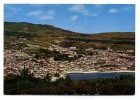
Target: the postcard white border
(37, 97)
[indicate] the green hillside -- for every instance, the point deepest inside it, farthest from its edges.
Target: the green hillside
(34, 28)
(31, 33)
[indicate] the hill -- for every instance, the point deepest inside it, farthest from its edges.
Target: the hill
(38, 34)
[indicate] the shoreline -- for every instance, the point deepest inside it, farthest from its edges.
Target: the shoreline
(78, 72)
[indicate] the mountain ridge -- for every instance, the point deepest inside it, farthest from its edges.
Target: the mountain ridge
(52, 26)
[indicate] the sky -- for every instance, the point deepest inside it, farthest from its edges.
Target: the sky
(83, 18)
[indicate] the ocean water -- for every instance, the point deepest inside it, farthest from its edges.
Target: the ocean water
(87, 76)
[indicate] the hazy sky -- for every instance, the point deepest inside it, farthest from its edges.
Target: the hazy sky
(89, 18)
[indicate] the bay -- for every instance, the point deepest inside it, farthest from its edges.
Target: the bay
(106, 75)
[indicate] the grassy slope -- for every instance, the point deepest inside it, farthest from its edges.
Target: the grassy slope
(48, 33)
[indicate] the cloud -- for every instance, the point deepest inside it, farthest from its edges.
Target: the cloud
(80, 8)
(123, 9)
(74, 17)
(43, 15)
(12, 8)
(16, 9)
(113, 10)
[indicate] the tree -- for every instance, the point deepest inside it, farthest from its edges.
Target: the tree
(25, 74)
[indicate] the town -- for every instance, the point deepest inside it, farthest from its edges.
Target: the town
(94, 60)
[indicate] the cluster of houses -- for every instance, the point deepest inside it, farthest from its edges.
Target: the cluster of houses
(100, 60)
(15, 61)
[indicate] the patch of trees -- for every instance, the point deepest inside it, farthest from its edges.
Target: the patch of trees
(132, 38)
(25, 83)
(108, 41)
(19, 34)
(114, 39)
(18, 46)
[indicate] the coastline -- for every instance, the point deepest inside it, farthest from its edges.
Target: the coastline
(78, 72)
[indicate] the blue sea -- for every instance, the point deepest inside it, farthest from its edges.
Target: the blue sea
(88, 76)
